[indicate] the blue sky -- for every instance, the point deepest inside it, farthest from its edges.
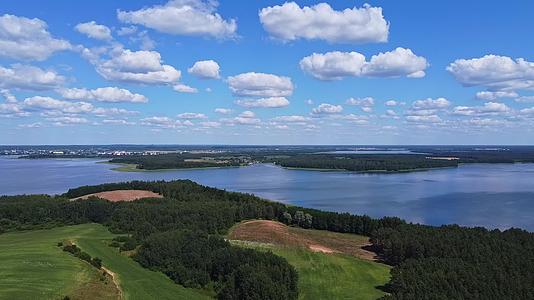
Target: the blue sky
(266, 72)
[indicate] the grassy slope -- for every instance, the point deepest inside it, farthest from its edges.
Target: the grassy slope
(329, 276)
(33, 267)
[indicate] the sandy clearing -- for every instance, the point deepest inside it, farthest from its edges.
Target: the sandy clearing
(122, 195)
(272, 232)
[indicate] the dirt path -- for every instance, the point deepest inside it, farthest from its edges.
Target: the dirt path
(115, 281)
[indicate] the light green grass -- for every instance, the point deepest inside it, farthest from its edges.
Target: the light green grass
(33, 267)
(331, 276)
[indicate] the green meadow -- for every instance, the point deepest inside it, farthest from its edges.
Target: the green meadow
(331, 276)
(32, 266)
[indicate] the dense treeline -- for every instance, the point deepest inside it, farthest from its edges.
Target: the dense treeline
(364, 163)
(448, 262)
(174, 161)
(515, 155)
(239, 273)
(453, 262)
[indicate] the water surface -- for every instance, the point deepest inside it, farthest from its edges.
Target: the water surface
(491, 195)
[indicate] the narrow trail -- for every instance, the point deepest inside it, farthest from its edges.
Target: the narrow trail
(115, 281)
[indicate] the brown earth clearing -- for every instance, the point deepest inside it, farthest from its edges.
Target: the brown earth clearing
(122, 195)
(264, 231)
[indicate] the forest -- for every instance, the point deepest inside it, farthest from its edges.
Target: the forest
(180, 235)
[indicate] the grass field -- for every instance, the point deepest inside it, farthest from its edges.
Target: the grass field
(337, 275)
(33, 267)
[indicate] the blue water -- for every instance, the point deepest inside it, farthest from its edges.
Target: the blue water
(491, 195)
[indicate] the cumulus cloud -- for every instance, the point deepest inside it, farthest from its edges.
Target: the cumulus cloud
(48, 103)
(289, 22)
(205, 69)
(491, 96)
(182, 88)
(104, 112)
(62, 121)
(27, 39)
(326, 108)
(29, 78)
(94, 31)
(105, 94)
(391, 103)
(424, 119)
(271, 102)
(244, 118)
(224, 111)
(143, 66)
(337, 65)
(429, 103)
(260, 85)
(367, 101)
(161, 122)
(12, 110)
(489, 108)
(191, 116)
(183, 17)
(117, 122)
(494, 72)
(291, 119)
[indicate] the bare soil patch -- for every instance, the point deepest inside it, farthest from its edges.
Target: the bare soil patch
(265, 231)
(122, 195)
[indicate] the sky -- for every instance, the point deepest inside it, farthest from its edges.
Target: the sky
(266, 72)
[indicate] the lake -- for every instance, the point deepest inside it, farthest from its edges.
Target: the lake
(491, 195)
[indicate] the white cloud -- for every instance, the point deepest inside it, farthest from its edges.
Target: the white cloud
(337, 65)
(31, 125)
(183, 17)
(326, 108)
(191, 116)
(333, 65)
(391, 103)
(138, 67)
(260, 85)
(357, 119)
(494, 72)
(271, 102)
(205, 69)
(182, 88)
(117, 122)
(396, 63)
(61, 121)
(365, 102)
(424, 119)
(429, 103)
(247, 114)
(127, 30)
(291, 119)
(391, 113)
(210, 124)
(94, 31)
(12, 110)
(29, 78)
(162, 122)
(27, 39)
(492, 96)
(224, 111)
(10, 98)
(105, 94)
(104, 112)
(489, 108)
(367, 109)
(525, 99)
(290, 22)
(47, 103)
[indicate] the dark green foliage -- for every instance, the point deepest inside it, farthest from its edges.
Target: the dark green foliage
(193, 259)
(453, 262)
(448, 262)
(175, 161)
(74, 250)
(363, 163)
